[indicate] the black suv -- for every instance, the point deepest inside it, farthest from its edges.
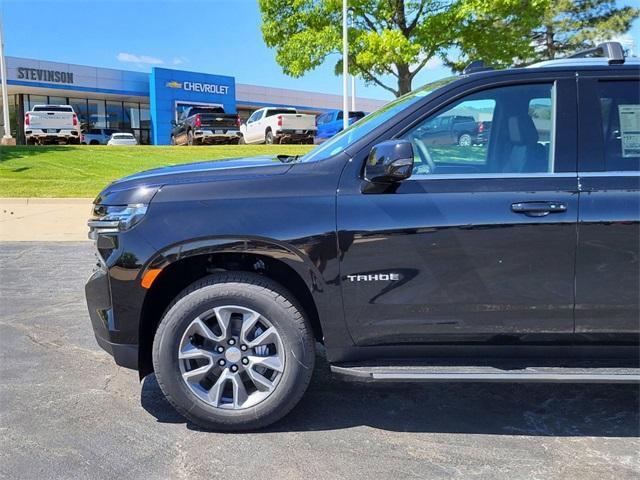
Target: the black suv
(516, 260)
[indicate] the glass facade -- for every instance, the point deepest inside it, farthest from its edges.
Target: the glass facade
(130, 117)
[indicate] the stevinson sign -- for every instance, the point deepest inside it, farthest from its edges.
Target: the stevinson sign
(41, 75)
(199, 87)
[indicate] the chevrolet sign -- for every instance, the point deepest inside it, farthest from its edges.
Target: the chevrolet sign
(174, 84)
(206, 88)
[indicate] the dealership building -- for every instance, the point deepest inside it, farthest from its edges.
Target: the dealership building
(145, 103)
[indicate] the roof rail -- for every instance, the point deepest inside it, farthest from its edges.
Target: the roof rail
(476, 66)
(611, 50)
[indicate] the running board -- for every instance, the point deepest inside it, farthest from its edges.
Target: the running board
(495, 374)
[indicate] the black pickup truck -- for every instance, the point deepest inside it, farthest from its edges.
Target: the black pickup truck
(515, 261)
(200, 124)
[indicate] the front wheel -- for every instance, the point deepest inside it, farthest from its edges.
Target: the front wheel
(234, 352)
(190, 140)
(268, 137)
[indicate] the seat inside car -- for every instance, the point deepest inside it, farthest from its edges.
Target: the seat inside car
(525, 154)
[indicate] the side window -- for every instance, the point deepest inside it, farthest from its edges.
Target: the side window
(340, 115)
(620, 124)
(253, 117)
(505, 130)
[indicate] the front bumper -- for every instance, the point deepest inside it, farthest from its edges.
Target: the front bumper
(101, 312)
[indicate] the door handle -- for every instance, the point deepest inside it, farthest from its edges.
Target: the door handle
(538, 209)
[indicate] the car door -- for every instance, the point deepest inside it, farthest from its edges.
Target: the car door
(608, 268)
(254, 129)
(479, 243)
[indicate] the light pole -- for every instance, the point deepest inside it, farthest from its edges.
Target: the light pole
(353, 93)
(6, 138)
(345, 67)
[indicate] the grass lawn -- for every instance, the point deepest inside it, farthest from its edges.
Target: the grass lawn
(82, 170)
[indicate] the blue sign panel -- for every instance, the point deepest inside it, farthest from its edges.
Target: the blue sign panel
(172, 89)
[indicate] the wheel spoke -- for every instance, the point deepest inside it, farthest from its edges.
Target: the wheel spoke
(261, 382)
(249, 321)
(273, 362)
(215, 393)
(223, 316)
(198, 326)
(239, 392)
(190, 351)
(268, 336)
(194, 376)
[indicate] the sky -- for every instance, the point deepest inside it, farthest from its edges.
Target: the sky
(213, 36)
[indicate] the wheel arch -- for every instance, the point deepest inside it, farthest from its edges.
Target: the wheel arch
(182, 265)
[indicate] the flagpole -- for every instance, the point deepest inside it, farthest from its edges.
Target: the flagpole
(6, 139)
(345, 67)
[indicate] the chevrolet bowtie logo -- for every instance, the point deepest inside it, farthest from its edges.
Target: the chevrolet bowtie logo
(174, 84)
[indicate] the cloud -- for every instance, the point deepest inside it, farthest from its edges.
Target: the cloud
(179, 60)
(139, 59)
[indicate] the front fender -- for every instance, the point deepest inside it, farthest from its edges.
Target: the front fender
(299, 261)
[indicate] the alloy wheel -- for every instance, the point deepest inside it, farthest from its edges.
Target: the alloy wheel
(231, 357)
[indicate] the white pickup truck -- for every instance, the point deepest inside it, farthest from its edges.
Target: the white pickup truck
(278, 125)
(51, 124)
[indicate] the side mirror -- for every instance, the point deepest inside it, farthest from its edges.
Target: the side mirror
(389, 161)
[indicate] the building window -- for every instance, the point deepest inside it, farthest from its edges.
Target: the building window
(96, 112)
(31, 100)
(80, 107)
(131, 115)
(115, 115)
(57, 101)
(145, 116)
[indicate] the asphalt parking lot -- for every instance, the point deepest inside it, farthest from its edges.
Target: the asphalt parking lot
(67, 411)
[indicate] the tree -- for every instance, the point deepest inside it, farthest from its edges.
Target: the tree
(565, 27)
(396, 38)
(571, 25)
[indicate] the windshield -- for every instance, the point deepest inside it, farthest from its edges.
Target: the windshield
(369, 123)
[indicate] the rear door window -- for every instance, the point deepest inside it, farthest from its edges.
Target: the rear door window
(619, 124)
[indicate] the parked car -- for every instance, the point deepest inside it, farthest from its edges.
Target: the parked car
(330, 123)
(96, 136)
(515, 263)
(450, 130)
(122, 138)
(51, 124)
(278, 125)
(203, 124)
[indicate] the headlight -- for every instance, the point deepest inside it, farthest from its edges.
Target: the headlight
(116, 218)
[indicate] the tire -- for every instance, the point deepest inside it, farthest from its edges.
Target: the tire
(190, 140)
(94, 142)
(464, 140)
(241, 140)
(268, 137)
(173, 140)
(294, 347)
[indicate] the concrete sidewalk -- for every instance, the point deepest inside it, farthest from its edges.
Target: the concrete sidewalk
(44, 219)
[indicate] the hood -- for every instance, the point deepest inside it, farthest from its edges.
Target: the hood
(140, 187)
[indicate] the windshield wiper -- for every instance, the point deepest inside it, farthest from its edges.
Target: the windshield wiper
(288, 158)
